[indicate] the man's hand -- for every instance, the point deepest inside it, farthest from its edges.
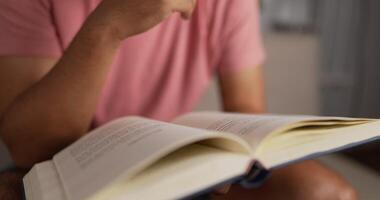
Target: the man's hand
(131, 17)
(11, 185)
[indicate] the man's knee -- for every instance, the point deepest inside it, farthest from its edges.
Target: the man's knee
(334, 191)
(347, 193)
(326, 184)
(312, 180)
(309, 180)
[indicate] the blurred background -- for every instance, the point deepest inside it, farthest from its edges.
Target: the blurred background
(323, 59)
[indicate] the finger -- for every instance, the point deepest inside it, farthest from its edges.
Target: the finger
(223, 190)
(185, 7)
(186, 15)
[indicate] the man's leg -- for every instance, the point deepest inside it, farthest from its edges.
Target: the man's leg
(309, 180)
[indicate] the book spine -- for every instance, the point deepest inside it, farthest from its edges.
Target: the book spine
(256, 176)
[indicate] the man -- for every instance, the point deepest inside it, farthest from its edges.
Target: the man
(67, 65)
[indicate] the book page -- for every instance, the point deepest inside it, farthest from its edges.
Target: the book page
(250, 127)
(183, 173)
(42, 183)
(309, 142)
(119, 150)
(253, 128)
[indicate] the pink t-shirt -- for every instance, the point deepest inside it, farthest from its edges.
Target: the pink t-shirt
(159, 74)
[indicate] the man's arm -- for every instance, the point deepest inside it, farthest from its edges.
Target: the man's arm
(243, 90)
(47, 110)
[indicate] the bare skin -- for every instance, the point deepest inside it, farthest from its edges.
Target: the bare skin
(243, 91)
(11, 185)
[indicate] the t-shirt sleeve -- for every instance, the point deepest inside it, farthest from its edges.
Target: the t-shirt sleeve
(27, 29)
(237, 35)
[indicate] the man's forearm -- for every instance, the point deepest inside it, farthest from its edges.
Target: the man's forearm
(243, 91)
(59, 108)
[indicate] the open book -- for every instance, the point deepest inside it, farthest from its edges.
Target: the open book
(138, 158)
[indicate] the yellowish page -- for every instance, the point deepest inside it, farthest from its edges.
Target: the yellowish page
(252, 128)
(305, 142)
(120, 150)
(182, 173)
